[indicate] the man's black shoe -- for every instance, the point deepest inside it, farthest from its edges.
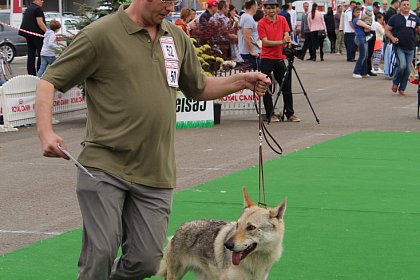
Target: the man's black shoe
(310, 59)
(372, 74)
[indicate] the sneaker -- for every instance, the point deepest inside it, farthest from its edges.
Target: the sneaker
(357, 76)
(366, 76)
(368, 37)
(293, 118)
(274, 118)
(379, 71)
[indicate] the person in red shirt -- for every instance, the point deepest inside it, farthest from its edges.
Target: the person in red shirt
(273, 31)
(184, 22)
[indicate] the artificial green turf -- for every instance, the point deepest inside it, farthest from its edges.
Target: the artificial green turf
(353, 212)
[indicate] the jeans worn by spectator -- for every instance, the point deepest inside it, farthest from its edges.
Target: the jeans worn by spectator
(252, 60)
(361, 65)
(405, 57)
(350, 46)
(45, 61)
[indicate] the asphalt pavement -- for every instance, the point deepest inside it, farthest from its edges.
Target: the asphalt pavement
(37, 194)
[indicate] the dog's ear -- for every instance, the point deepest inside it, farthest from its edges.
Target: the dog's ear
(247, 199)
(278, 212)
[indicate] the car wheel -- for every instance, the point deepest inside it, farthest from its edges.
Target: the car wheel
(9, 51)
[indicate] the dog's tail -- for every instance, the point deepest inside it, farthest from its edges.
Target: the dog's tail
(163, 268)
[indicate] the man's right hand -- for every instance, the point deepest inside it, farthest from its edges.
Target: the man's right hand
(49, 143)
(255, 54)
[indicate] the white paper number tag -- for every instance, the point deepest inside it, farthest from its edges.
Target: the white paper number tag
(168, 48)
(171, 60)
(172, 73)
(410, 23)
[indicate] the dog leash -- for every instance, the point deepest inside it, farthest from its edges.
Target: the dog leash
(262, 133)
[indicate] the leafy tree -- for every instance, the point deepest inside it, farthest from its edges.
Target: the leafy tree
(89, 14)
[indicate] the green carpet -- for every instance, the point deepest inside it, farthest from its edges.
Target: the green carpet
(353, 213)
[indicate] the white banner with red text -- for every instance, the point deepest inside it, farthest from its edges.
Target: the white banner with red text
(17, 103)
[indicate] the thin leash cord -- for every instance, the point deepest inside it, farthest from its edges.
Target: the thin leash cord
(262, 134)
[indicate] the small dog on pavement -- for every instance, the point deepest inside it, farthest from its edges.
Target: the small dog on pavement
(222, 250)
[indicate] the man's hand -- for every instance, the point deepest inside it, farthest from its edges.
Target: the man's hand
(257, 81)
(254, 54)
(394, 40)
(49, 143)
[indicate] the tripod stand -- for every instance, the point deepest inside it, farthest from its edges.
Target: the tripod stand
(288, 77)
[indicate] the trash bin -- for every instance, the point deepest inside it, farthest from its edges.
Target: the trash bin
(217, 111)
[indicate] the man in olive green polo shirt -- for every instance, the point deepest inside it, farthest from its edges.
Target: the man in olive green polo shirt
(132, 62)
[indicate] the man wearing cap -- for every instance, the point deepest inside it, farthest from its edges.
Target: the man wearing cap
(274, 34)
(210, 11)
(376, 8)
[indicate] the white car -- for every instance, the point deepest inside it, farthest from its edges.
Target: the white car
(68, 25)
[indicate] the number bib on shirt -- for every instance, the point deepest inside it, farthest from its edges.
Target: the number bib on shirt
(171, 60)
(410, 24)
(172, 73)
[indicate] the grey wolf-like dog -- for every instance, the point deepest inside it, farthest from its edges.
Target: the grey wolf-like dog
(222, 250)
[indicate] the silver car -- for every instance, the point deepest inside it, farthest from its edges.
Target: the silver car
(13, 44)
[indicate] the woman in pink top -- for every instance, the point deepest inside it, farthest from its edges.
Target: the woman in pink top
(316, 25)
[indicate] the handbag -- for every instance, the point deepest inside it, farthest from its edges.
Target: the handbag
(322, 34)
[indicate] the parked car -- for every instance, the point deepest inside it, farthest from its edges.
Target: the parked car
(68, 25)
(51, 15)
(15, 44)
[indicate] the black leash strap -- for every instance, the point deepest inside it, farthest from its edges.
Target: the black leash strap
(262, 133)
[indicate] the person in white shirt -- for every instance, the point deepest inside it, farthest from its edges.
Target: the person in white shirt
(49, 47)
(293, 20)
(349, 32)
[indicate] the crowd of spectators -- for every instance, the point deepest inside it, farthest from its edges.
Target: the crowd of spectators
(372, 29)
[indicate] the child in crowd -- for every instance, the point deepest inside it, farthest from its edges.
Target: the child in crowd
(367, 18)
(378, 25)
(49, 47)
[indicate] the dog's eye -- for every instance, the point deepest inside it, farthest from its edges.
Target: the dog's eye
(250, 227)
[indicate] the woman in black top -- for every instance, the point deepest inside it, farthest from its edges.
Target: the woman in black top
(330, 24)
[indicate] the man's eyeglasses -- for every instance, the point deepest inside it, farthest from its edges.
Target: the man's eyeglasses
(170, 2)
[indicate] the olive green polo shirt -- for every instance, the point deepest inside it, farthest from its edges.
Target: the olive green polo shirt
(131, 115)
